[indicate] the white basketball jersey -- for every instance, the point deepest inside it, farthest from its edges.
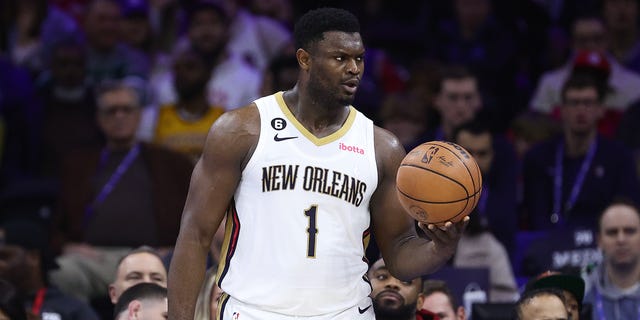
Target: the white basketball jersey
(297, 230)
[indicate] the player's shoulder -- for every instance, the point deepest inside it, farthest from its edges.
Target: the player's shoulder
(387, 145)
(243, 119)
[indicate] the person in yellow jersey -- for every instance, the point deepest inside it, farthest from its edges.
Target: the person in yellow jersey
(183, 126)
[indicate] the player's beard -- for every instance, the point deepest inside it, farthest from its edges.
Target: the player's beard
(326, 95)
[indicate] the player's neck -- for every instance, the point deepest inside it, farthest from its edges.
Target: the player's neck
(578, 144)
(316, 116)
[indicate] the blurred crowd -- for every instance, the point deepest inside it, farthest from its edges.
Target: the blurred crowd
(105, 106)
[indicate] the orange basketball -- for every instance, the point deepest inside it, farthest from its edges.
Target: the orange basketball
(439, 181)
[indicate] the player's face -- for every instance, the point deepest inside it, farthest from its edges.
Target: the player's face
(439, 304)
(119, 115)
(480, 146)
(581, 110)
(138, 268)
(544, 307)
(336, 67)
(619, 237)
(458, 101)
(392, 296)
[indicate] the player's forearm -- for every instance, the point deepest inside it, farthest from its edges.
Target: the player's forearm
(186, 275)
(415, 257)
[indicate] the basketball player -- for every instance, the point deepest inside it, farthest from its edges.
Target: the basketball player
(303, 179)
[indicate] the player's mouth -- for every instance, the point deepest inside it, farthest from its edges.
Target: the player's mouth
(351, 85)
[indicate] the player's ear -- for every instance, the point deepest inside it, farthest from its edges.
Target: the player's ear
(303, 57)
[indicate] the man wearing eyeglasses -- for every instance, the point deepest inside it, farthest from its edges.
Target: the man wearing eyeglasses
(112, 199)
(570, 179)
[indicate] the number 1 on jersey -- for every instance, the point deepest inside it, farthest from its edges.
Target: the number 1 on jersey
(311, 231)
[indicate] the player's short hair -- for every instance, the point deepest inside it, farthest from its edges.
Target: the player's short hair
(311, 27)
(141, 291)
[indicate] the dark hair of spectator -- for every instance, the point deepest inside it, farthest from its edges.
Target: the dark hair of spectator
(452, 72)
(432, 286)
(311, 27)
(620, 201)
(140, 291)
(584, 80)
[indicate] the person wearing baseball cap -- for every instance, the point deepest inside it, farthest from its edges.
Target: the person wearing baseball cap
(572, 287)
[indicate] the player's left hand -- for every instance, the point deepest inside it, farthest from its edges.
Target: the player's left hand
(446, 237)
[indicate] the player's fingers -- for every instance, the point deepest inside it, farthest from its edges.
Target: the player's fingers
(436, 233)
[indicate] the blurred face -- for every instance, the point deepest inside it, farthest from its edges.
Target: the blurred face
(208, 32)
(137, 268)
(439, 304)
(135, 31)
(102, 24)
(391, 296)
(581, 110)
(480, 146)
(619, 237)
(119, 115)
(68, 66)
(621, 15)
(589, 35)
(334, 65)
(544, 307)
(472, 13)
(407, 130)
(458, 101)
(190, 75)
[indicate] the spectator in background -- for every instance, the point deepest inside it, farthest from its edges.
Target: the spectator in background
(437, 298)
(621, 17)
(233, 82)
(394, 299)
(613, 287)
(109, 58)
(34, 27)
(497, 207)
(405, 116)
(281, 75)
(546, 303)
(530, 128)
(569, 179)
(11, 304)
(457, 100)
(257, 39)
(589, 44)
(68, 115)
(108, 194)
(135, 26)
(142, 301)
(479, 248)
(572, 287)
(183, 126)
(473, 37)
(207, 304)
(140, 265)
(18, 110)
(25, 259)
